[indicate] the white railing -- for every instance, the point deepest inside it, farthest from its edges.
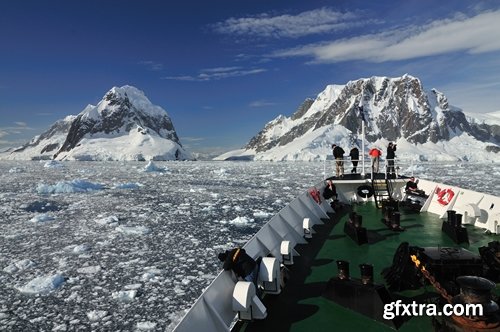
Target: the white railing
(364, 166)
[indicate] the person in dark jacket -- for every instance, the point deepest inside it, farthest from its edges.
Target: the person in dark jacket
(412, 188)
(391, 149)
(354, 154)
(338, 154)
(244, 266)
(330, 190)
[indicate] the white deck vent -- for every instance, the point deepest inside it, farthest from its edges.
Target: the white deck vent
(286, 252)
(307, 225)
(246, 303)
(269, 275)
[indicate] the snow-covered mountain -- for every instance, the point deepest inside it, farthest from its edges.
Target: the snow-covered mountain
(422, 123)
(124, 125)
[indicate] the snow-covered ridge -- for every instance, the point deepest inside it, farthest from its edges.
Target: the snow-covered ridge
(136, 97)
(422, 123)
(124, 125)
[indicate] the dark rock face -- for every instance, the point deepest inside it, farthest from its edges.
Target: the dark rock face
(393, 109)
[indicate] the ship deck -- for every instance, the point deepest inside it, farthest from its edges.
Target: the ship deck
(301, 306)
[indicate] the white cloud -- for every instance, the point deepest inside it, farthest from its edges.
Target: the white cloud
(217, 74)
(7, 134)
(152, 65)
(261, 103)
(192, 139)
(474, 35)
(317, 21)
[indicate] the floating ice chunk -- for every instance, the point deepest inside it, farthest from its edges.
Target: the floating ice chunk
(414, 168)
(16, 170)
(89, 269)
(221, 171)
(60, 327)
(41, 218)
(132, 286)
(53, 164)
(151, 167)
(145, 326)
(96, 315)
(241, 221)
(4, 315)
(74, 186)
(238, 221)
(111, 220)
(151, 274)
(125, 296)
(19, 266)
(261, 214)
(79, 249)
(133, 230)
(129, 185)
(42, 285)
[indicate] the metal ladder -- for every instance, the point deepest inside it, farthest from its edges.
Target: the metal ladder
(382, 190)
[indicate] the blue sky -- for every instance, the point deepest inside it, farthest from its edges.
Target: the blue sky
(222, 69)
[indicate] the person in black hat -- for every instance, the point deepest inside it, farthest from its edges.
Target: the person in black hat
(244, 266)
(338, 154)
(391, 155)
(412, 188)
(354, 154)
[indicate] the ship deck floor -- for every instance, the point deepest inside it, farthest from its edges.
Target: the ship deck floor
(301, 305)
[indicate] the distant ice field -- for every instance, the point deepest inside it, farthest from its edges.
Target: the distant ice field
(110, 246)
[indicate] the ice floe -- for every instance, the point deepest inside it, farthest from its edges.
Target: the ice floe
(74, 186)
(42, 218)
(43, 284)
(133, 230)
(19, 266)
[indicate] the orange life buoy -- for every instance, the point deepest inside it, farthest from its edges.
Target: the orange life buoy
(315, 195)
(444, 196)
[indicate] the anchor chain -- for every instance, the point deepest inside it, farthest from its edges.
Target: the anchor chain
(431, 279)
(472, 322)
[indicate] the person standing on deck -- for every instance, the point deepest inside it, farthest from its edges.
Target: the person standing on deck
(338, 154)
(391, 149)
(375, 154)
(354, 154)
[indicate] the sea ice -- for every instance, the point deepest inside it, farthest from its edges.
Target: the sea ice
(19, 266)
(43, 284)
(133, 230)
(125, 295)
(74, 186)
(174, 262)
(96, 315)
(41, 218)
(89, 269)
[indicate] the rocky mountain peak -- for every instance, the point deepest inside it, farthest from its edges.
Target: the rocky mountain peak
(394, 109)
(122, 114)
